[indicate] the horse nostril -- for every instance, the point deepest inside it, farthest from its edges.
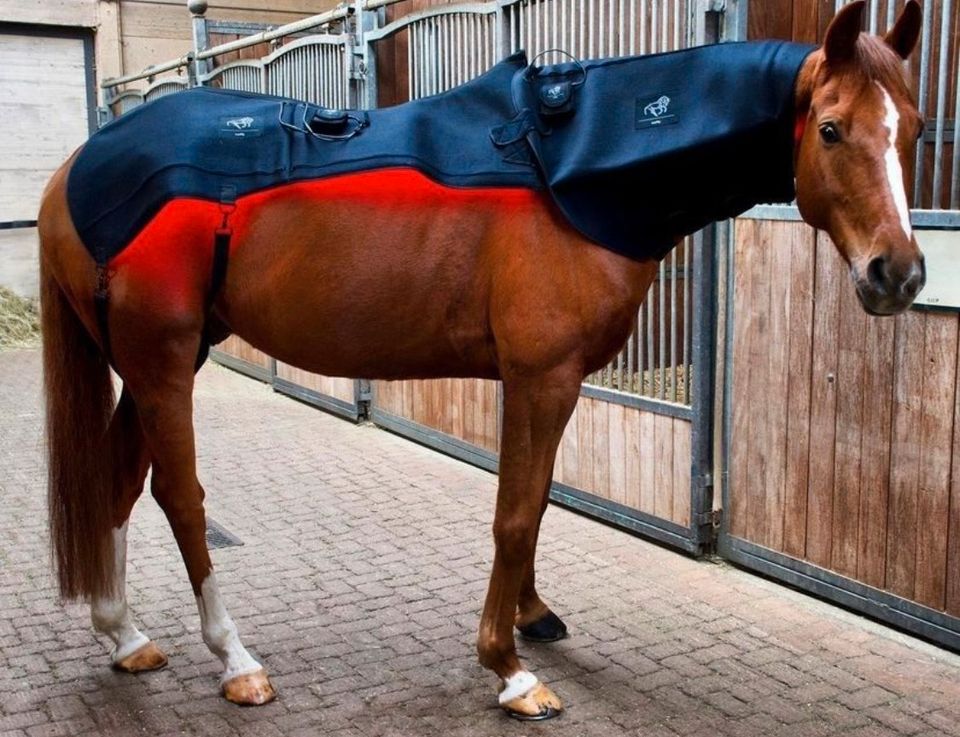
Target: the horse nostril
(877, 273)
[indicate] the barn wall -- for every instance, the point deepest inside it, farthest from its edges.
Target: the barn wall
(82, 13)
(158, 30)
(843, 449)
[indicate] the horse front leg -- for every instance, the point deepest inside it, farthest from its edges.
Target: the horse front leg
(535, 621)
(535, 411)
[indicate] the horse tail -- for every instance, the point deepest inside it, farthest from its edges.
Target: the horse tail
(79, 402)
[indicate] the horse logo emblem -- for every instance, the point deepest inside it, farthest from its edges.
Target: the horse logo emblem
(245, 126)
(658, 108)
(240, 124)
(653, 112)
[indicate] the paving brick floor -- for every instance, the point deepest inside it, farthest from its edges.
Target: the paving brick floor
(360, 584)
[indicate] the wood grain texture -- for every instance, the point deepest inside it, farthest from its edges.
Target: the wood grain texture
(50, 12)
(953, 536)
(830, 276)
(663, 466)
(681, 471)
(744, 251)
(849, 431)
(796, 474)
(759, 338)
(777, 384)
(648, 464)
(616, 434)
(875, 450)
(331, 386)
(936, 435)
(238, 348)
(905, 454)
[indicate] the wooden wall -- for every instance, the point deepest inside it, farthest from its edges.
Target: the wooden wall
(844, 451)
(240, 349)
(466, 409)
(159, 30)
(333, 386)
(629, 456)
(74, 13)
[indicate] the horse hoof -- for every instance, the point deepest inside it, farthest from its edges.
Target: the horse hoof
(148, 657)
(250, 689)
(549, 628)
(537, 705)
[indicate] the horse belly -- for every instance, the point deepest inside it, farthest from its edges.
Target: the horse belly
(379, 276)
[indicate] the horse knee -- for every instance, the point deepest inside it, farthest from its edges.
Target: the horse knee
(515, 540)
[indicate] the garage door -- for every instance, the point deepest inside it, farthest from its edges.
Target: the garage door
(45, 109)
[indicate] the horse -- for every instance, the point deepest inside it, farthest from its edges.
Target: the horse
(493, 284)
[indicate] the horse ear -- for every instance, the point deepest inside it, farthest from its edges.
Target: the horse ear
(844, 31)
(903, 37)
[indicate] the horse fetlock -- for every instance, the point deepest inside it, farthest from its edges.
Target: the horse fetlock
(497, 654)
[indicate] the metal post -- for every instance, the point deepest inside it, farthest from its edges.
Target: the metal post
(704, 367)
(735, 14)
(201, 39)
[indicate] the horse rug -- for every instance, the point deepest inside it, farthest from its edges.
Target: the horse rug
(635, 152)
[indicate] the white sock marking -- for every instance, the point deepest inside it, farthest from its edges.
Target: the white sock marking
(516, 685)
(220, 633)
(111, 616)
(892, 159)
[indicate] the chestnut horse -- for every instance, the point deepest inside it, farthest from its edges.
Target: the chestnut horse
(492, 284)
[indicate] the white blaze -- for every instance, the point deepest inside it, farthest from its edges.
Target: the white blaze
(892, 159)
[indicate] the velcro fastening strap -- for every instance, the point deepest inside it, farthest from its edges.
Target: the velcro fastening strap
(516, 130)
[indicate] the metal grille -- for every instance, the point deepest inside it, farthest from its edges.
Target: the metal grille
(246, 76)
(935, 71)
(163, 87)
(589, 29)
(448, 49)
(312, 69)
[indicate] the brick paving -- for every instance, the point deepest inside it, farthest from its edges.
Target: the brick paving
(360, 584)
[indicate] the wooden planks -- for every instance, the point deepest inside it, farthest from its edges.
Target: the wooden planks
(332, 386)
(50, 12)
(238, 348)
(629, 456)
(849, 458)
(467, 409)
(823, 401)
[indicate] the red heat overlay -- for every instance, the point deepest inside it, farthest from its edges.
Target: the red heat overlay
(175, 248)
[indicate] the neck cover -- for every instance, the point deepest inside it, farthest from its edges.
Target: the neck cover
(636, 152)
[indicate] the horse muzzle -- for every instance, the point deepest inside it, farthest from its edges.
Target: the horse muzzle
(888, 287)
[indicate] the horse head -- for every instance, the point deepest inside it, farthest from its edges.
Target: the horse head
(857, 132)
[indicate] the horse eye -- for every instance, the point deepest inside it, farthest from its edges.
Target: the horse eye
(830, 133)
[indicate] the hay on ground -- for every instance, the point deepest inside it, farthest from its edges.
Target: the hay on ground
(19, 321)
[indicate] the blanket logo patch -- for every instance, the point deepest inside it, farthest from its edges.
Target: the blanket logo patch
(653, 112)
(244, 126)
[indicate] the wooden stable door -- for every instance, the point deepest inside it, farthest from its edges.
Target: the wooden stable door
(843, 450)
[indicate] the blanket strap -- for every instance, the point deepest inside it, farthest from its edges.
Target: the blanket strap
(101, 306)
(218, 272)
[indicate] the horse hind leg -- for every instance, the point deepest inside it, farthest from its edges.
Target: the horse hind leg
(163, 391)
(133, 652)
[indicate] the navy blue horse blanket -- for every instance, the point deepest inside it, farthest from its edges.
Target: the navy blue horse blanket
(636, 152)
